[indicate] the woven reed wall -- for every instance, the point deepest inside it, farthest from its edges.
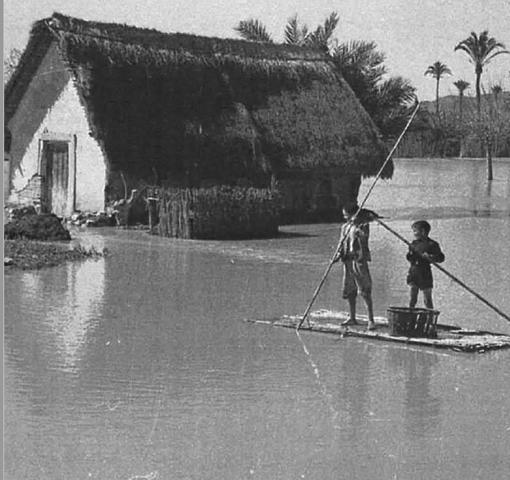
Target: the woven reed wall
(219, 212)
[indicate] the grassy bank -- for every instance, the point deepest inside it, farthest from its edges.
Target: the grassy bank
(29, 254)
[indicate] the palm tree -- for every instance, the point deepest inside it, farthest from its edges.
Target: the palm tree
(461, 86)
(481, 50)
(255, 31)
(437, 70)
(387, 100)
(359, 62)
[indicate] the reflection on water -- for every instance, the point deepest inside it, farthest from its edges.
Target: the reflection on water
(354, 392)
(48, 330)
(421, 408)
(139, 363)
(77, 294)
(443, 188)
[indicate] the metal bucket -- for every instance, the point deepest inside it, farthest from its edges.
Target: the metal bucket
(412, 322)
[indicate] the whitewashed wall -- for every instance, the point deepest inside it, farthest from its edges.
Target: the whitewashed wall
(6, 176)
(52, 103)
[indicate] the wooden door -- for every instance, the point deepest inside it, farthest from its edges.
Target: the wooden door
(55, 170)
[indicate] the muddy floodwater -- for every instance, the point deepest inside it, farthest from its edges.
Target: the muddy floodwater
(139, 365)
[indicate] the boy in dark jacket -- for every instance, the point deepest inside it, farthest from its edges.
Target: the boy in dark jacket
(423, 250)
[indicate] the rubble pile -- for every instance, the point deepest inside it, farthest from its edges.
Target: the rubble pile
(93, 219)
(23, 223)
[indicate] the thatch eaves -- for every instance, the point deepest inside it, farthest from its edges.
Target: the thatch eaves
(178, 102)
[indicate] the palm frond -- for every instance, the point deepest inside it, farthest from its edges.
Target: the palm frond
(461, 85)
(495, 54)
(330, 25)
(321, 36)
(387, 101)
(315, 38)
(481, 49)
(493, 43)
(292, 32)
(304, 32)
(395, 99)
(360, 55)
(438, 69)
(466, 47)
(253, 30)
(396, 90)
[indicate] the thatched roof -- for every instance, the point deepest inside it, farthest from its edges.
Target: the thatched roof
(177, 102)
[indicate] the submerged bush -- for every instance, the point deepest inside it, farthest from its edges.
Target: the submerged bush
(29, 254)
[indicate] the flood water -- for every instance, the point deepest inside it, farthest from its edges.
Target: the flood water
(139, 366)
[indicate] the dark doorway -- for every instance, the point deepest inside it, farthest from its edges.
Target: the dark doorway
(55, 170)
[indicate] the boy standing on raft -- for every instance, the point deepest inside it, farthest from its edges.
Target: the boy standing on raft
(422, 251)
(355, 255)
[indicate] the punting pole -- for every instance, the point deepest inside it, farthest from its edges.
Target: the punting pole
(342, 238)
(446, 272)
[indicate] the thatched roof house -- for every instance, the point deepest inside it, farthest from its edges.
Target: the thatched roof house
(90, 101)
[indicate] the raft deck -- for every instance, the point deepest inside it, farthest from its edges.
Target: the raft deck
(448, 336)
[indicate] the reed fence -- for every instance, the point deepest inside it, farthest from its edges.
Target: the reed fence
(219, 212)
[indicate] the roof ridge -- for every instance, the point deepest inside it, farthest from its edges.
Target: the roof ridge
(162, 40)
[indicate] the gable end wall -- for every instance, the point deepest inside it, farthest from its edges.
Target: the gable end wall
(51, 104)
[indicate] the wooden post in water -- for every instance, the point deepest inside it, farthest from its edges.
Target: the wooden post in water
(489, 160)
(152, 208)
(174, 218)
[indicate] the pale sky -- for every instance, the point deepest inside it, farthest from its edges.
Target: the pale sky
(412, 33)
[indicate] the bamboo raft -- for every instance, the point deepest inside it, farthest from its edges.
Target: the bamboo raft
(448, 336)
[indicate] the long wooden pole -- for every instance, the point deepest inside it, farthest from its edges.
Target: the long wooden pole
(446, 272)
(342, 238)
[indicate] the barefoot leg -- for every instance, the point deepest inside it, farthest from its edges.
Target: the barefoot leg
(413, 296)
(427, 298)
(370, 311)
(352, 311)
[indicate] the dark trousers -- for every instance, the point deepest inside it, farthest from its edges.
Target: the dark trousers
(427, 297)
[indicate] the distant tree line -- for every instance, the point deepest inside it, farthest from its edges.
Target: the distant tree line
(458, 131)
(469, 127)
